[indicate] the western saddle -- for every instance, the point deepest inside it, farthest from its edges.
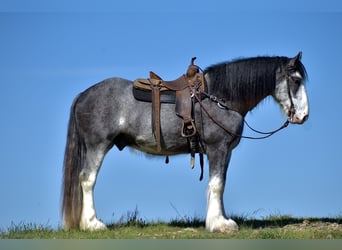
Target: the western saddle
(179, 92)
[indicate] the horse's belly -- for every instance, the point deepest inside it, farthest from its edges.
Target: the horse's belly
(170, 146)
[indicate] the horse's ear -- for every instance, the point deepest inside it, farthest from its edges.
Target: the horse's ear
(299, 56)
(296, 59)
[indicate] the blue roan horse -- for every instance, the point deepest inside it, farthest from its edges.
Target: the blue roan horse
(107, 114)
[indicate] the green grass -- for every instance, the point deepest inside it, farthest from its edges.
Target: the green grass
(133, 227)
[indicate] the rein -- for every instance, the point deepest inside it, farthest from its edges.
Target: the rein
(223, 106)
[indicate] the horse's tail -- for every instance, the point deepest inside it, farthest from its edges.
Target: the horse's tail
(73, 161)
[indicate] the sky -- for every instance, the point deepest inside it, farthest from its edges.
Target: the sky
(52, 50)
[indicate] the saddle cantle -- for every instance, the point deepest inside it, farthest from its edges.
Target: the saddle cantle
(178, 92)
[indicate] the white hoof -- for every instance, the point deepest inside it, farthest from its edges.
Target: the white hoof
(221, 225)
(93, 225)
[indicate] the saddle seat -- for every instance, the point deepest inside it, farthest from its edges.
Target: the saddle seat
(179, 92)
(156, 81)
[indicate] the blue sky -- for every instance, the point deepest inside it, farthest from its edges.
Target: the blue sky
(52, 51)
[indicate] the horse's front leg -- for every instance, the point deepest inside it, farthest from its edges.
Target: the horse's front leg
(216, 219)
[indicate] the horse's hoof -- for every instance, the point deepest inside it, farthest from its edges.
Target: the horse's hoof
(222, 225)
(93, 225)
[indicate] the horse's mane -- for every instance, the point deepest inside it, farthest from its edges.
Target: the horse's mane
(247, 79)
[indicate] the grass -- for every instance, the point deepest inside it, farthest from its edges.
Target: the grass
(132, 226)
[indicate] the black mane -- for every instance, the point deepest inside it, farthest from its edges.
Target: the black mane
(247, 80)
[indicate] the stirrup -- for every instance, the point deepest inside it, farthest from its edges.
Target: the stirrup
(188, 129)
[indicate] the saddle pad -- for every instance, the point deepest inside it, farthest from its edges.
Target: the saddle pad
(166, 96)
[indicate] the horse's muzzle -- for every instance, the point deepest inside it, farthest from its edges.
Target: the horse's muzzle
(294, 119)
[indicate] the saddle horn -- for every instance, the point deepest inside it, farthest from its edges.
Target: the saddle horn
(193, 69)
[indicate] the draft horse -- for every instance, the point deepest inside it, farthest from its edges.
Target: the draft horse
(107, 114)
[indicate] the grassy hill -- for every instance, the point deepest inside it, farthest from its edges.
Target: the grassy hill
(133, 227)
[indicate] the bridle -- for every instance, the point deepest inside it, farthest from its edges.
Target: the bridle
(198, 93)
(292, 110)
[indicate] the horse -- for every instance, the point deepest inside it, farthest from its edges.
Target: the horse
(107, 114)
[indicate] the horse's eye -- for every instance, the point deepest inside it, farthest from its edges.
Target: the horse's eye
(297, 80)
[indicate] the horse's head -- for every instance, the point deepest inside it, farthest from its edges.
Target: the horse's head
(290, 90)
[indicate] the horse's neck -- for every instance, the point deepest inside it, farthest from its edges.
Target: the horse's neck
(243, 107)
(240, 107)
(245, 96)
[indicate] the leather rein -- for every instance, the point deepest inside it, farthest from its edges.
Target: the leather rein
(221, 105)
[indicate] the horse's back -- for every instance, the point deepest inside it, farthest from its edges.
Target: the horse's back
(98, 109)
(107, 89)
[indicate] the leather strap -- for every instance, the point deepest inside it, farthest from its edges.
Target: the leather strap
(156, 114)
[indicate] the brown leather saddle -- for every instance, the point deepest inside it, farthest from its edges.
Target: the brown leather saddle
(179, 92)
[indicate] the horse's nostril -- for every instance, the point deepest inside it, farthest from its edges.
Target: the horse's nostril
(305, 118)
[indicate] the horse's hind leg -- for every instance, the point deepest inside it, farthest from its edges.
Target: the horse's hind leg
(88, 175)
